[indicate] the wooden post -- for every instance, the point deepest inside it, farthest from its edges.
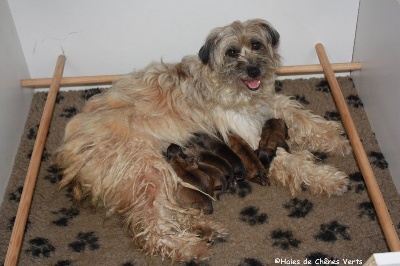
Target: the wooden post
(33, 169)
(359, 152)
(108, 79)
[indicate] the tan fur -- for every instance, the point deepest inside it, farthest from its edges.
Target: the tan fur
(112, 151)
(294, 169)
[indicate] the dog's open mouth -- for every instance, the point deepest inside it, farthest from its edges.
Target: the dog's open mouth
(253, 84)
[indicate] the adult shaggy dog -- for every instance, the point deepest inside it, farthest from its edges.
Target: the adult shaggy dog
(112, 151)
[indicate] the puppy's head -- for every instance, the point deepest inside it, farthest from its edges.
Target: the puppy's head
(242, 54)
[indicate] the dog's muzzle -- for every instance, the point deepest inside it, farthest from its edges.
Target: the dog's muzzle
(253, 83)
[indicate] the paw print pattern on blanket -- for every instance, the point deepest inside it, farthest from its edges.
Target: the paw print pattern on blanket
(16, 195)
(54, 175)
(323, 86)
(332, 116)
(329, 232)
(65, 215)
(32, 132)
(250, 262)
(40, 247)
(252, 216)
(284, 239)
(69, 112)
(366, 208)
(87, 94)
(357, 182)
(85, 240)
(298, 208)
(354, 100)
(378, 159)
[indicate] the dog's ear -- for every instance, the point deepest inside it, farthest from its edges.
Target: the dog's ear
(206, 50)
(272, 34)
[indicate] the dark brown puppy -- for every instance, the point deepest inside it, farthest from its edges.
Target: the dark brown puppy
(255, 170)
(216, 175)
(210, 158)
(187, 169)
(274, 134)
(220, 148)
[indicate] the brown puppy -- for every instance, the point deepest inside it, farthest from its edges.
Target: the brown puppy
(274, 134)
(207, 157)
(187, 170)
(255, 170)
(218, 147)
(215, 174)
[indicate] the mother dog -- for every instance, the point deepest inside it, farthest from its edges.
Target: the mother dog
(112, 151)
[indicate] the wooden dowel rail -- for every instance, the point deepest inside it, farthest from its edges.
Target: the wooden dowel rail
(17, 234)
(359, 152)
(108, 79)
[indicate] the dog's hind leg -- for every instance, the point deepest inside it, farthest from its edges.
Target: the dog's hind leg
(310, 131)
(160, 225)
(294, 169)
(136, 182)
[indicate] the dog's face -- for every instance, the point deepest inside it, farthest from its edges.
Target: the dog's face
(242, 54)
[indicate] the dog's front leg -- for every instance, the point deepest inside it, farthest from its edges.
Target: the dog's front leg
(255, 170)
(309, 131)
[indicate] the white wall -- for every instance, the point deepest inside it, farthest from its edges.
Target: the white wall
(116, 37)
(377, 45)
(14, 101)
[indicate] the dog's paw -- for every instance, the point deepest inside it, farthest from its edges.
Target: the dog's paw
(209, 230)
(342, 148)
(336, 142)
(333, 182)
(297, 168)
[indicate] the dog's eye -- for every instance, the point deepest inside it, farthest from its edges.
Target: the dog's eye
(232, 52)
(256, 45)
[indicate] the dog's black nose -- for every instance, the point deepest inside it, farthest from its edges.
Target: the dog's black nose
(253, 71)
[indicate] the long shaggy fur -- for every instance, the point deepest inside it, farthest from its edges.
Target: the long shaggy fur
(112, 151)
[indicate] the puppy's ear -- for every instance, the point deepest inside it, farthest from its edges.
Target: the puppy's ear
(174, 150)
(272, 34)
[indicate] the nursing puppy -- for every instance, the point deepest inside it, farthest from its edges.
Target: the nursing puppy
(213, 151)
(207, 157)
(274, 134)
(187, 169)
(113, 149)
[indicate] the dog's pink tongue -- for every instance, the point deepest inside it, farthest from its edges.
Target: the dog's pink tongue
(252, 84)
